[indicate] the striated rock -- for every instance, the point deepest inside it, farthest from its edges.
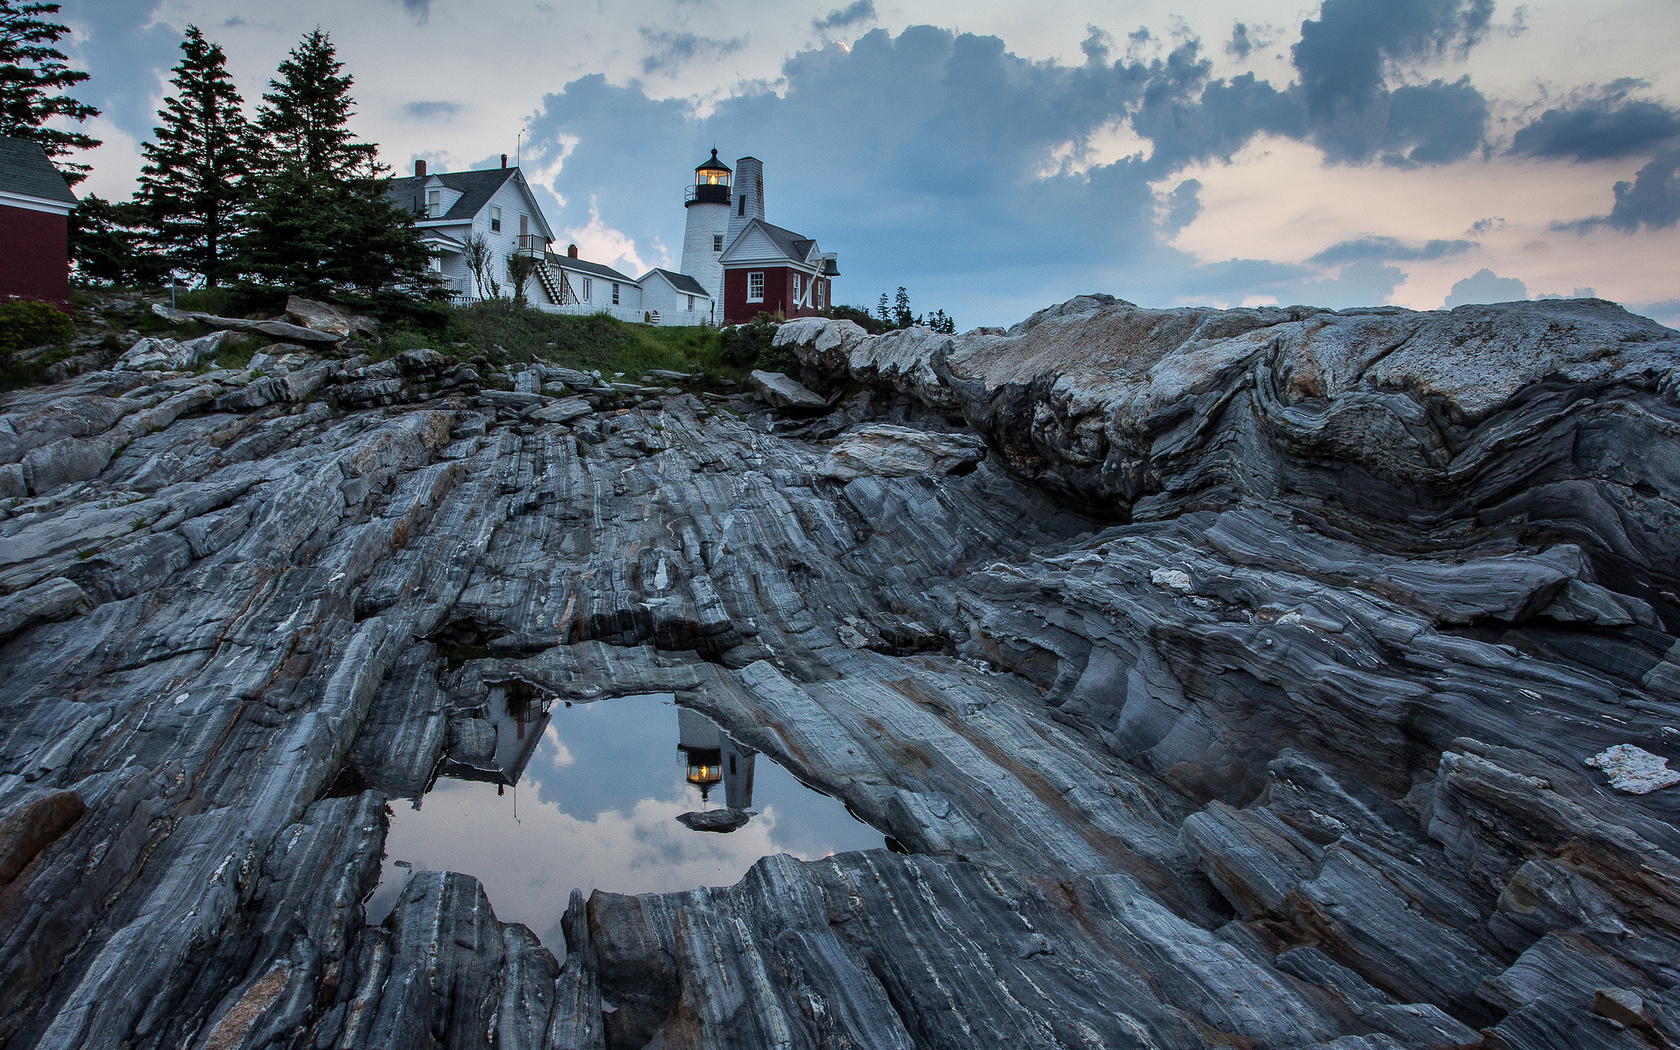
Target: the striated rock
(285, 330)
(1241, 694)
(324, 317)
(166, 355)
(782, 392)
(896, 452)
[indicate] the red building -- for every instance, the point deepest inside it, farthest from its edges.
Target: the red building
(767, 269)
(35, 204)
(771, 270)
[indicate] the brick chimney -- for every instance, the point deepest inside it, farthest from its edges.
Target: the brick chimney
(504, 160)
(571, 251)
(420, 169)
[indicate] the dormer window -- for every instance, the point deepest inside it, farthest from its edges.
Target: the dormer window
(434, 203)
(495, 218)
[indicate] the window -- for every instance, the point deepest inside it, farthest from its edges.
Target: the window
(742, 210)
(691, 304)
(434, 203)
(586, 293)
(798, 287)
(615, 293)
(495, 219)
(822, 290)
(524, 226)
(717, 242)
(755, 286)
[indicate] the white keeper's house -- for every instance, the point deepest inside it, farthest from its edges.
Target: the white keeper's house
(727, 243)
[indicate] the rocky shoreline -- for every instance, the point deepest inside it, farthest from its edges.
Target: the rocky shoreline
(1227, 678)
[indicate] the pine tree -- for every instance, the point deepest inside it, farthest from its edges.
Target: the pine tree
(902, 317)
(193, 185)
(320, 219)
(883, 309)
(303, 116)
(33, 75)
(107, 246)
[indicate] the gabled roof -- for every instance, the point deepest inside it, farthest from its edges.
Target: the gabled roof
(584, 266)
(682, 282)
(26, 171)
(476, 189)
(796, 247)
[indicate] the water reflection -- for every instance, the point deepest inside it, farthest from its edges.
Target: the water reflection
(606, 789)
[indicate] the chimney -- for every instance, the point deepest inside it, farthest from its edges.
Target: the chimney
(749, 196)
(504, 160)
(571, 251)
(420, 169)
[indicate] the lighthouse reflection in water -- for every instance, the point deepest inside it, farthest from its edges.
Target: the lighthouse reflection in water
(632, 795)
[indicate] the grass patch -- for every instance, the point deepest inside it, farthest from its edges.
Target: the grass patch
(507, 335)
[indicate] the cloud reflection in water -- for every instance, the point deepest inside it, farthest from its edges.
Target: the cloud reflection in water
(597, 807)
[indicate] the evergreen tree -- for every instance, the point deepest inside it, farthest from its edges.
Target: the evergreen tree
(884, 310)
(193, 184)
(901, 315)
(303, 116)
(320, 218)
(33, 75)
(106, 245)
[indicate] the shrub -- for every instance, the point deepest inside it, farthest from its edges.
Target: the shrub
(749, 346)
(24, 323)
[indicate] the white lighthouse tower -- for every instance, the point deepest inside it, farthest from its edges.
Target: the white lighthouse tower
(708, 203)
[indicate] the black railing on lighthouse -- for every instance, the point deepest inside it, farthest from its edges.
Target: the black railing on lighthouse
(706, 193)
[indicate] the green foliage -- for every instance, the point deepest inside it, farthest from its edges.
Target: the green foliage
(33, 76)
(105, 244)
(321, 222)
(25, 323)
(859, 316)
(520, 270)
(899, 315)
(193, 186)
(303, 116)
(748, 346)
(505, 334)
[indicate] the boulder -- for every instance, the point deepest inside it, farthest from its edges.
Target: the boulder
(719, 820)
(324, 317)
(155, 354)
(784, 393)
(885, 450)
(563, 411)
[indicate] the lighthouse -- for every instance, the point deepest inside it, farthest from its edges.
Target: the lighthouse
(708, 202)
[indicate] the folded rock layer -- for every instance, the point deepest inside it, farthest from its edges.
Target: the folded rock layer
(1240, 694)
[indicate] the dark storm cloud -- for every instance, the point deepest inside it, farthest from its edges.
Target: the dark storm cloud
(1388, 249)
(1603, 129)
(1651, 200)
(128, 57)
(672, 49)
(1343, 58)
(1485, 286)
(844, 18)
(431, 111)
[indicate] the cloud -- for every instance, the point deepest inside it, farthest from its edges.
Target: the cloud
(844, 18)
(1651, 200)
(601, 243)
(128, 52)
(1485, 286)
(1389, 249)
(1605, 129)
(1240, 45)
(419, 10)
(1344, 58)
(673, 49)
(432, 111)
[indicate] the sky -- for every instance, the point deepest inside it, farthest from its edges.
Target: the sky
(998, 156)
